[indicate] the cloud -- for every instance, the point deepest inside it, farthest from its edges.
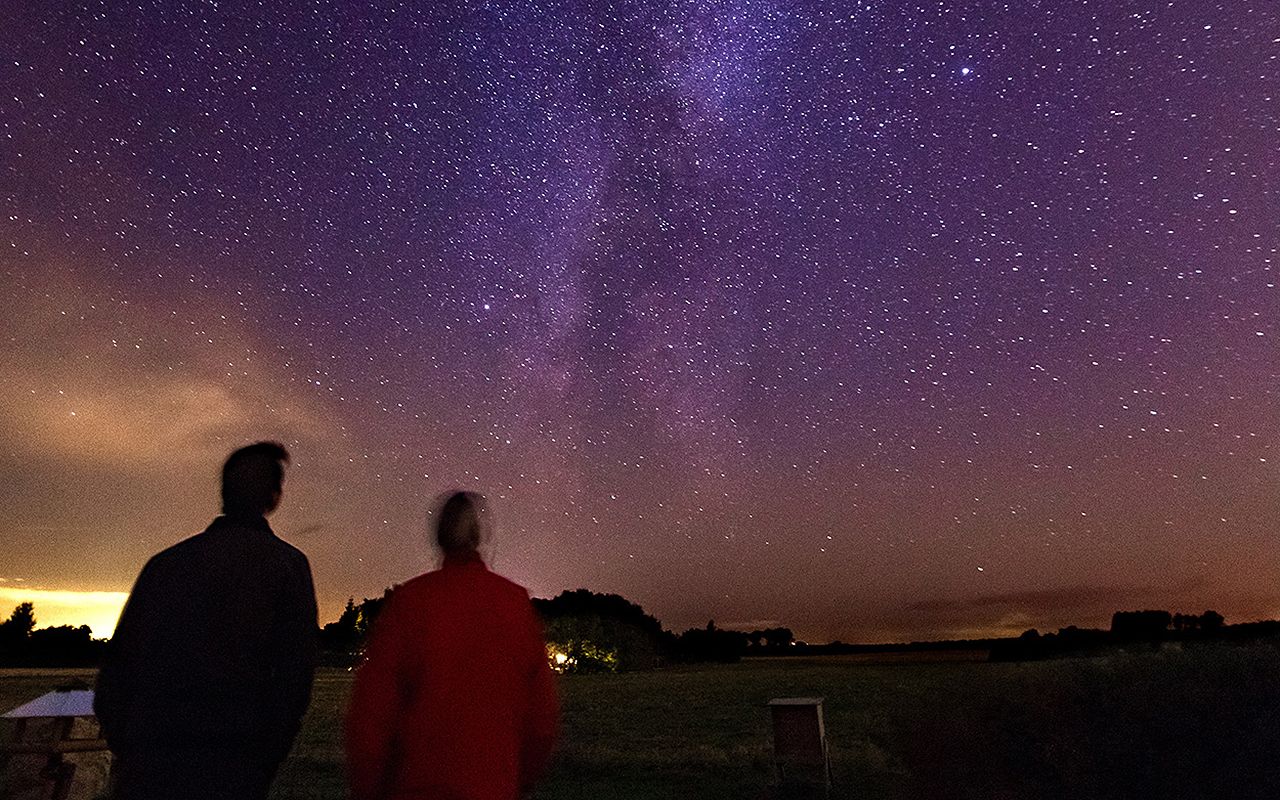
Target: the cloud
(1010, 612)
(118, 408)
(98, 377)
(1051, 600)
(752, 625)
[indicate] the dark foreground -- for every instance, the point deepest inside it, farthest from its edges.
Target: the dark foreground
(1195, 724)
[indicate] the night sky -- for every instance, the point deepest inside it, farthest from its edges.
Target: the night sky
(876, 320)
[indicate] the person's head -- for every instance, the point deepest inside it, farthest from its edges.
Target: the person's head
(459, 528)
(253, 479)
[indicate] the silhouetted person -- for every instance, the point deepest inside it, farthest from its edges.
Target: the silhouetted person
(455, 698)
(209, 671)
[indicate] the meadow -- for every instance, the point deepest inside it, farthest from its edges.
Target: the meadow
(1200, 723)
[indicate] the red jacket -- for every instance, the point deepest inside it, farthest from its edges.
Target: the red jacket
(455, 700)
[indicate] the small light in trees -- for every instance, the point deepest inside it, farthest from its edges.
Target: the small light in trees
(560, 661)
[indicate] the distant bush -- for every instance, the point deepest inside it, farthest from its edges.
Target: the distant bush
(347, 634)
(770, 641)
(1140, 625)
(711, 644)
(1147, 629)
(590, 632)
(1068, 641)
(581, 645)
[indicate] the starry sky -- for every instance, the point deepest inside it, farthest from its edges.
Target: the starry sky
(877, 320)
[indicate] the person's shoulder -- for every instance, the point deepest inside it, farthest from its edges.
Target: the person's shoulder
(290, 552)
(171, 566)
(410, 597)
(178, 553)
(416, 586)
(509, 587)
(441, 584)
(294, 564)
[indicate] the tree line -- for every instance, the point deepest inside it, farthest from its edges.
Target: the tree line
(584, 631)
(587, 631)
(1147, 628)
(24, 645)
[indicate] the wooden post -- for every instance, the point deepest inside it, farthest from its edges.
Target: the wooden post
(800, 742)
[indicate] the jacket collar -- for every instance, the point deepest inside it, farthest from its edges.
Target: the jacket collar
(463, 560)
(255, 522)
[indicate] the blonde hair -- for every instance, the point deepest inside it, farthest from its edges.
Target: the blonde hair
(459, 529)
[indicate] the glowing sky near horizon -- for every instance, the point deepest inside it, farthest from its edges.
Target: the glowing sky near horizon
(875, 320)
(98, 610)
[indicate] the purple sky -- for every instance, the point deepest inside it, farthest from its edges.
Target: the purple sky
(875, 320)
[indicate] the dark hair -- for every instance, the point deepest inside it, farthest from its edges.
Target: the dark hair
(458, 529)
(253, 477)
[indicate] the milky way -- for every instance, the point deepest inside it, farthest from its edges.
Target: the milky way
(877, 320)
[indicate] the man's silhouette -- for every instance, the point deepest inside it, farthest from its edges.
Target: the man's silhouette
(209, 671)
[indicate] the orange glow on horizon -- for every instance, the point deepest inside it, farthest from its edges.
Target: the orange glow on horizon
(54, 607)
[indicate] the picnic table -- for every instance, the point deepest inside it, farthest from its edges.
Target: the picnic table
(56, 751)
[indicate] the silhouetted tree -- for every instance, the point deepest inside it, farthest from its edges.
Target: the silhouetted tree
(770, 640)
(343, 636)
(22, 620)
(601, 632)
(64, 646)
(348, 633)
(1028, 646)
(1211, 621)
(711, 644)
(778, 638)
(581, 644)
(583, 602)
(369, 610)
(16, 630)
(1140, 625)
(21, 644)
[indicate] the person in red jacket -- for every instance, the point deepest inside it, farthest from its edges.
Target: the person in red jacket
(455, 699)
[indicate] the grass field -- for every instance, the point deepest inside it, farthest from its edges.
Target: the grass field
(1196, 724)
